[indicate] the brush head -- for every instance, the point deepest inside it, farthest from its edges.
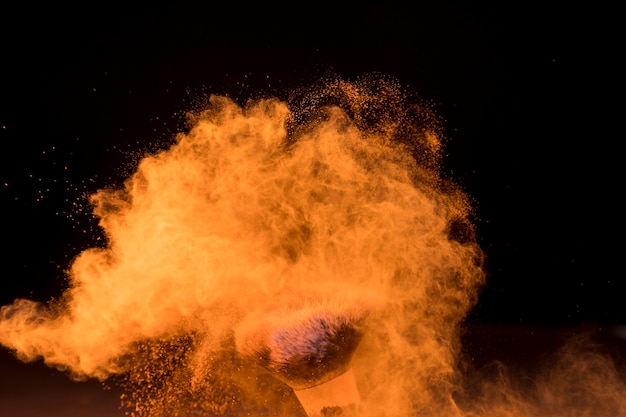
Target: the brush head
(308, 348)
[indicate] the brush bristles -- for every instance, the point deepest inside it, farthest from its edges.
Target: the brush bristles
(310, 351)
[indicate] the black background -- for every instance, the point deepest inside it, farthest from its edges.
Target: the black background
(529, 94)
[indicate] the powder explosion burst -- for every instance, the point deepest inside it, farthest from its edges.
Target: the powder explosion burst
(276, 247)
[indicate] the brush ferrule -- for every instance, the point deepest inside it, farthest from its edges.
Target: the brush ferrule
(339, 392)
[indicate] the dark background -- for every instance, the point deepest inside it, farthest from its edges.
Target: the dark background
(528, 93)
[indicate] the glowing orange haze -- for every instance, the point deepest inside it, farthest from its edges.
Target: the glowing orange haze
(262, 216)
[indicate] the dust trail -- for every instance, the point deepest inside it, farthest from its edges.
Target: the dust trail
(272, 233)
(580, 379)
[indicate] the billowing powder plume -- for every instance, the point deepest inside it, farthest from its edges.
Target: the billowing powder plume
(272, 247)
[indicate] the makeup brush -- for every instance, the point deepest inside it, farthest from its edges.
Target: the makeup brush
(311, 351)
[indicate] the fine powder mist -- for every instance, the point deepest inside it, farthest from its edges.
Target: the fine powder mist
(272, 247)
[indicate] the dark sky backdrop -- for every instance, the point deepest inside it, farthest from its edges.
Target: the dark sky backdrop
(525, 91)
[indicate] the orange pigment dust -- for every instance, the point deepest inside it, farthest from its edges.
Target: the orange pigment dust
(278, 245)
